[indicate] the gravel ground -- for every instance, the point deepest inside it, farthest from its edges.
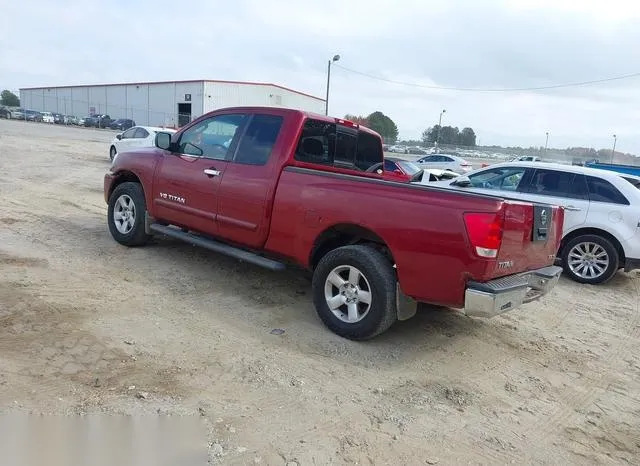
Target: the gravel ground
(89, 326)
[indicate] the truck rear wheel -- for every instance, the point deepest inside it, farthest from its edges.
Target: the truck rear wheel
(354, 292)
(126, 213)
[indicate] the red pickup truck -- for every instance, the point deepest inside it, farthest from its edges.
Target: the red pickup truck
(280, 187)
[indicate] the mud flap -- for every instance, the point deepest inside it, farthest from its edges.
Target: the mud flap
(405, 306)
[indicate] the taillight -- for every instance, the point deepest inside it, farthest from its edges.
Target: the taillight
(485, 232)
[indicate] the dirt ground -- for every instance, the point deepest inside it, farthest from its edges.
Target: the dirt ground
(89, 326)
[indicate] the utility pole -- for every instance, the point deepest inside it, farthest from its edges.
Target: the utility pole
(326, 102)
(546, 143)
(613, 151)
(439, 128)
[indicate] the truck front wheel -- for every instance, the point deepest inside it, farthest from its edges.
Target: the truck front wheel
(126, 214)
(354, 292)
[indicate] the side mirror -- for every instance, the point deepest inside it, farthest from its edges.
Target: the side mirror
(462, 181)
(163, 141)
(119, 136)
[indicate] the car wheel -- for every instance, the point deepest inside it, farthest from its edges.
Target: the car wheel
(354, 292)
(590, 259)
(126, 214)
(112, 153)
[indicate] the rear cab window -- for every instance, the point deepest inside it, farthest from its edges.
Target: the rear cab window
(339, 146)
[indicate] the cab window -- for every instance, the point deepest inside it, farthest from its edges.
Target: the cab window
(259, 139)
(211, 138)
(325, 143)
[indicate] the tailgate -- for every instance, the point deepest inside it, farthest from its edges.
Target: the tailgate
(530, 238)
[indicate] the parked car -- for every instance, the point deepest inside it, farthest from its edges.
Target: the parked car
(32, 115)
(70, 120)
(18, 114)
(47, 117)
(416, 151)
(135, 138)
(5, 112)
(526, 158)
(122, 124)
(602, 221)
(58, 118)
(103, 121)
(445, 161)
(277, 187)
(397, 169)
(81, 121)
(436, 174)
(90, 121)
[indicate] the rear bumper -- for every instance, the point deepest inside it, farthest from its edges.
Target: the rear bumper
(504, 294)
(631, 264)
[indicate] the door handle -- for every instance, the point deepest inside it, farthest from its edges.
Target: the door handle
(211, 172)
(572, 208)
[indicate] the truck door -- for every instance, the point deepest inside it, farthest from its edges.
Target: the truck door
(188, 179)
(246, 193)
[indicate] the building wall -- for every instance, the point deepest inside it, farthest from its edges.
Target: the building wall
(157, 104)
(219, 95)
(147, 104)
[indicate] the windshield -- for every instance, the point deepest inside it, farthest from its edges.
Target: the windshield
(409, 167)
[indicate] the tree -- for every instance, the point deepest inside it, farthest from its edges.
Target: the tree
(383, 125)
(430, 135)
(9, 99)
(449, 135)
(357, 119)
(467, 137)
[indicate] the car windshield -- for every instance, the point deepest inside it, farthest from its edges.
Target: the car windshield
(409, 167)
(505, 178)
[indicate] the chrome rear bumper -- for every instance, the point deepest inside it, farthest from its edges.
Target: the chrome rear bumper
(504, 294)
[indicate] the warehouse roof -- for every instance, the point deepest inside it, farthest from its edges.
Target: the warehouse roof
(177, 82)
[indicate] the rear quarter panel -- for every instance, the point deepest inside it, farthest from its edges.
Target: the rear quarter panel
(423, 227)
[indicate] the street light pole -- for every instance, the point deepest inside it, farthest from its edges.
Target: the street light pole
(613, 151)
(546, 143)
(439, 128)
(326, 102)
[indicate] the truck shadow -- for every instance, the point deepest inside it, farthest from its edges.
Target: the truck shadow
(263, 300)
(283, 300)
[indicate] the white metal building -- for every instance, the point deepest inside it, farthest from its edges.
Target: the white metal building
(165, 103)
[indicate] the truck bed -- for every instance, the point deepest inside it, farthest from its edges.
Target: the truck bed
(423, 226)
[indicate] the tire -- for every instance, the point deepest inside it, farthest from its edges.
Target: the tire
(112, 153)
(376, 275)
(128, 199)
(581, 250)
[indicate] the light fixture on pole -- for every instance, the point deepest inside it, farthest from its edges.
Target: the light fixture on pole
(326, 102)
(613, 151)
(444, 110)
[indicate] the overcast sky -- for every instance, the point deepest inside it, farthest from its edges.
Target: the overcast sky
(451, 43)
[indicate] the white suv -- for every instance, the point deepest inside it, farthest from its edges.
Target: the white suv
(602, 211)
